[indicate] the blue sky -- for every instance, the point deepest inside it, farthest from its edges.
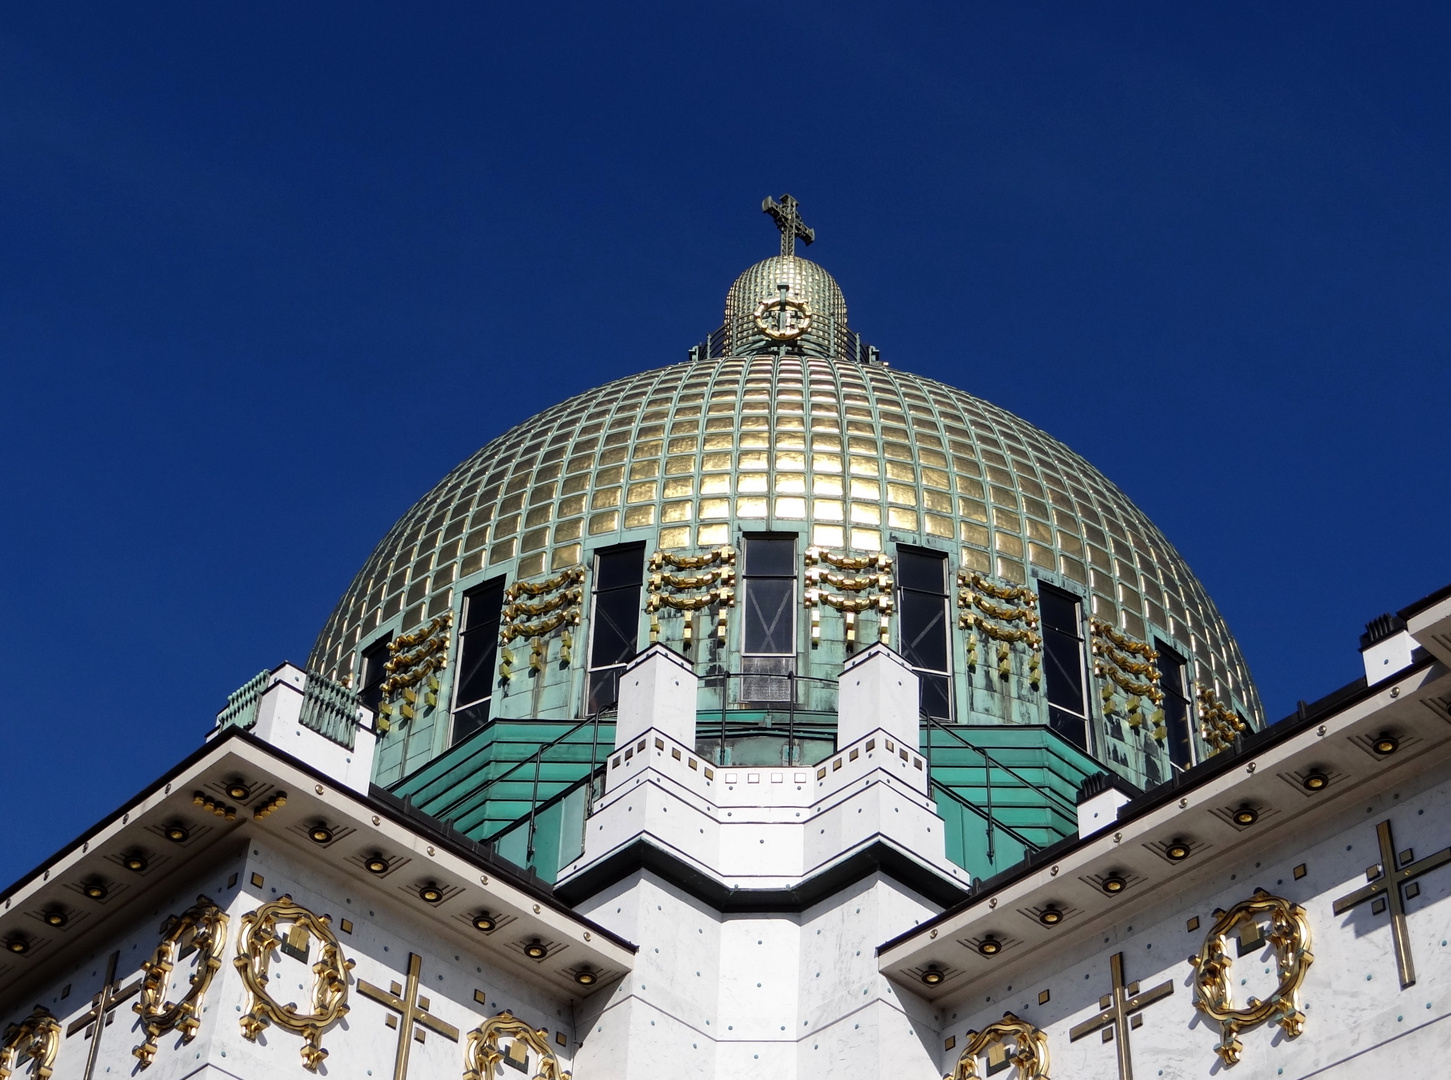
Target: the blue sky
(268, 271)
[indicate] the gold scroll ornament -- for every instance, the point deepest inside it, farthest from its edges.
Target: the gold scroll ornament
(202, 927)
(1009, 1041)
(37, 1038)
(1213, 987)
(486, 1050)
(329, 1004)
(680, 592)
(872, 591)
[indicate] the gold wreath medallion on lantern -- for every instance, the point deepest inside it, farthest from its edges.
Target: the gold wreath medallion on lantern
(506, 1038)
(782, 319)
(329, 999)
(1009, 1041)
(37, 1038)
(202, 929)
(1289, 934)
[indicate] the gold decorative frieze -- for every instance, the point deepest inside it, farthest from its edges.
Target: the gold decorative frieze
(1126, 668)
(505, 1039)
(329, 999)
(1008, 1041)
(1289, 934)
(831, 575)
(557, 602)
(33, 1042)
(715, 574)
(1218, 722)
(202, 929)
(1004, 613)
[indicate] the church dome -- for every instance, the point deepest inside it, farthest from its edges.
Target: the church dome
(856, 462)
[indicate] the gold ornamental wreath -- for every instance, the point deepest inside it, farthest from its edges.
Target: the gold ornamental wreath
(1213, 989)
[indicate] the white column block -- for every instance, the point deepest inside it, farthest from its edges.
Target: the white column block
(877, 690)
(657, 691)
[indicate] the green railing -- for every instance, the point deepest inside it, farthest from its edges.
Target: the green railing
(241, 707)
(330, 709)
(526, 787)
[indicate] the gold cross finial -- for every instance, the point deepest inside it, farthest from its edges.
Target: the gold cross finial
(787, 216)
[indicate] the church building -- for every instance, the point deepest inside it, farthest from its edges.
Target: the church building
(773, 713)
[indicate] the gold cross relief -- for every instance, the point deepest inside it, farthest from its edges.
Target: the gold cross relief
(102, 1011)
(1390, 884)
(413, 1015)
(1121, 1011)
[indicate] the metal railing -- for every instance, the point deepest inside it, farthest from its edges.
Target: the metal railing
(989, 763)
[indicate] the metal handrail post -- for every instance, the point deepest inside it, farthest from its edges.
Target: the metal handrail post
(987, 769)
(533, 804)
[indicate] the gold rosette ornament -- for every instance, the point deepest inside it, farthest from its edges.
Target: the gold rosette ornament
(258, 941)
(1289, 934)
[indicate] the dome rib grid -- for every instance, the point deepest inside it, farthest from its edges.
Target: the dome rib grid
(849, 455)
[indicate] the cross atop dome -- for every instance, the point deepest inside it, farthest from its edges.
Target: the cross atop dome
(787, 216)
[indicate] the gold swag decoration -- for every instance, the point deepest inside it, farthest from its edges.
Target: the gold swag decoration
(258, 940)
(484, 1053)
(1213, 988)
(202, 926)
(37, 1037)
(873, 590)
(680, 592)
(1028, 1053)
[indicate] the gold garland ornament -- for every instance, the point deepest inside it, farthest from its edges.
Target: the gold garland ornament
(485, 1052)
(676, 591)
(37, 1037)
(202, 927)
(405, 668)
(842, 561)
(971, 579)
(539, 588)
(725, 556)
(559, 598)
(1218, 722)
(1028, 1054)
(1124, 642)
(1213, 988)
(329, 1004)
(543, 607)
(878, 585)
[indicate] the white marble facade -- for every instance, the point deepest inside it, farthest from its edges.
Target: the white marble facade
(784, 923)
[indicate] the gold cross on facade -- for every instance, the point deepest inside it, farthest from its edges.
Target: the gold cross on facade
(1121, 1011)
(787, 216)
(102, 1011)
(412, 1008)
(1391, 885)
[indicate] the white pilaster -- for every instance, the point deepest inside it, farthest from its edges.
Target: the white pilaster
(657, 691)
(877, 690)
